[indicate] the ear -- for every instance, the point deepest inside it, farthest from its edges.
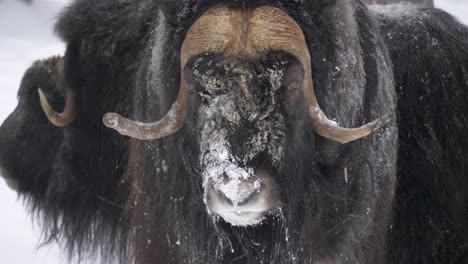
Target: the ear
(28, 142)
(46, 75)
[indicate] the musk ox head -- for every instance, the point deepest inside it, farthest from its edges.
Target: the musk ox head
(243, 72)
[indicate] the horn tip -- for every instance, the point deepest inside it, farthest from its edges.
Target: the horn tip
(380, 122)
(43, 99)
(111, 120)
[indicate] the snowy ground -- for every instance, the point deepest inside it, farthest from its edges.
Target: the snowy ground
(25, 35)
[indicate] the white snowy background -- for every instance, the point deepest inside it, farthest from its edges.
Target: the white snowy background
(26, 35)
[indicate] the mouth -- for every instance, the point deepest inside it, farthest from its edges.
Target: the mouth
(11, 183)
(242, 218)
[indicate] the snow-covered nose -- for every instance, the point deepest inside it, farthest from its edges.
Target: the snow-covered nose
(238, 192)
(242, 201)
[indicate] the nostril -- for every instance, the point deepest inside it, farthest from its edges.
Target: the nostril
(224, 198)
(250, 198)
(238, 197)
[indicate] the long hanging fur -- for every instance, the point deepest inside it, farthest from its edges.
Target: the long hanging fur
(128, 200)
(429, 51)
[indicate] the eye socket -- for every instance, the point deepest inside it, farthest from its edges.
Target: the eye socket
(195, 87)
(189, 78)
(294, 77)
(294, 85)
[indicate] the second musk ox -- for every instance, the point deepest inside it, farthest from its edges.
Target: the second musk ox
(314, 131)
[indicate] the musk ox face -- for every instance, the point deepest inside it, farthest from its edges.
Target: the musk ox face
(242, 121)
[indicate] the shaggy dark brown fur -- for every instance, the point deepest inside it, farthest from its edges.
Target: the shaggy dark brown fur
(401, 201)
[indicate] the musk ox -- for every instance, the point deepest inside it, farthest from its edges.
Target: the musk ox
(305, 131)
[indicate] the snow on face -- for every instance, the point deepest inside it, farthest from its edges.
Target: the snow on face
(218, 162)
(239, 121)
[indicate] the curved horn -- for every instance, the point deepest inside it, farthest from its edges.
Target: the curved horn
(200, 39)
(273, 29)
(170, 124)
(59, 119)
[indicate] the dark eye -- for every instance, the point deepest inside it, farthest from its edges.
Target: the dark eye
(294, 77)
(294, 85)
(189, 79)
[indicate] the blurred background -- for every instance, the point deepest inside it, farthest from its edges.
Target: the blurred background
(26, 34)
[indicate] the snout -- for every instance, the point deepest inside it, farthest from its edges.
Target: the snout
(7, 160)
(243, 202)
